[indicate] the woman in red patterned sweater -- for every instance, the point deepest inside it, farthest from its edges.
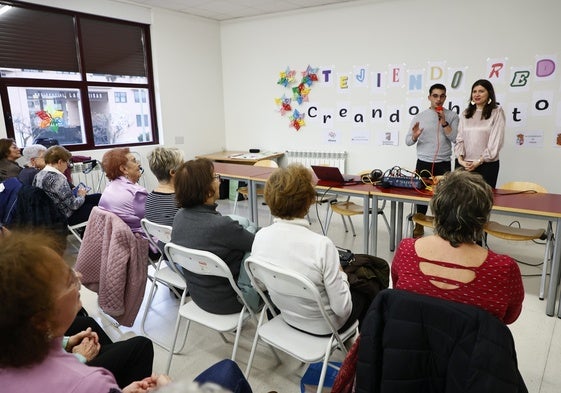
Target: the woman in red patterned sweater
(450, 264)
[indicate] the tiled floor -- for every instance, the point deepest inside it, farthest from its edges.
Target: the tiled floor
(537, 336)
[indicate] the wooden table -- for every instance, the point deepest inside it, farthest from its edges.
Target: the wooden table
(539, 205)
(241, 157)
(245, 173)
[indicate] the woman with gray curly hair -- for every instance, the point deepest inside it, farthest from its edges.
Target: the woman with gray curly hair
(450, 264)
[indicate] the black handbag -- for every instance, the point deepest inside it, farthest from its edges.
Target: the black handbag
(346, 257)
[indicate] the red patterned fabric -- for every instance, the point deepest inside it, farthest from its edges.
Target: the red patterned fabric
(497, 286)
(345, 380)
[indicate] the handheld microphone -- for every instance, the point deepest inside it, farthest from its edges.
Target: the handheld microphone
(439, 110)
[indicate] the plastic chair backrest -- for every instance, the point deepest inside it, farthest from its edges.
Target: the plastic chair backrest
(523, 186)
(156, 232)
(197, 261)
(285, 282)
(267, 163)
(203, 263)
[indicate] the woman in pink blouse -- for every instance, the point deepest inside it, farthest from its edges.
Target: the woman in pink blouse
(449, 264)
(35, 316)
(481, 133)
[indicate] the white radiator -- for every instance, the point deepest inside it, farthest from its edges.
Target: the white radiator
(308, 158)
(89, 173)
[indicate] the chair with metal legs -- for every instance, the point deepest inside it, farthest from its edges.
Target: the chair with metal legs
(206, 263)
(305, 347)
(160, 271)
(508, 232)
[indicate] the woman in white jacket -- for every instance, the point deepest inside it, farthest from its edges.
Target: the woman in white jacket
(289, 242)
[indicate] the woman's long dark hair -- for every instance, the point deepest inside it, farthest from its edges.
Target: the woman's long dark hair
(489, 106)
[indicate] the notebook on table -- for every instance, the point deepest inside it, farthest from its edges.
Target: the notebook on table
(330, 176)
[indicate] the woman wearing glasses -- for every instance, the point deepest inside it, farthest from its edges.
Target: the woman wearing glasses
(199, 225)
(75, 206)
(35, 356)
(123, 195)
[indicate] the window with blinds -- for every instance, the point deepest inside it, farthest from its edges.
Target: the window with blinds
(60, 74)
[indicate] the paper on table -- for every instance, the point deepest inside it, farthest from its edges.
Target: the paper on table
(250, 156)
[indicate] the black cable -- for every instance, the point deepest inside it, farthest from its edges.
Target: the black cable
(528, 264)
(319, 201)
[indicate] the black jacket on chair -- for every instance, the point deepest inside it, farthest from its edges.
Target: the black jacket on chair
(35, 209)
(417, 343)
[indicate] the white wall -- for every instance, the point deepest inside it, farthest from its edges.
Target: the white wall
(411, 33)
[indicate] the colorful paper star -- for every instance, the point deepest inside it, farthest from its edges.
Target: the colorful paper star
(297, 120)
(286, 77)
(284, 103)
(48, 120)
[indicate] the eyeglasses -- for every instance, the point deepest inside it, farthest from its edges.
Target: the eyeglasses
(73, 281)
(216, 176)
(76, 280)
(70, 164)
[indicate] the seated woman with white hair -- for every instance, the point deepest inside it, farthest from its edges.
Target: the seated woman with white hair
(34, 161)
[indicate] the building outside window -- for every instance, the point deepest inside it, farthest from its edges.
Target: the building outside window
(47, 90)
(120, 97)
(139, 122)
(140, 96)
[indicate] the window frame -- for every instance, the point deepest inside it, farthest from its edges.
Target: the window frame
(84, 85)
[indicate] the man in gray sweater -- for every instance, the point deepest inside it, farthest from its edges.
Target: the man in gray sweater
(433, 130)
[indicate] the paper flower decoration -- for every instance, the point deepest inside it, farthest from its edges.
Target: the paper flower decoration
(286, 77)
(297, 120)
(310, 75)
(53, 120)
(300, 93)
(284, 103)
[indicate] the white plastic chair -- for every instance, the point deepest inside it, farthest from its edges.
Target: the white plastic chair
(305, 347)
(74, 230)
(206, 263)
(162, 272)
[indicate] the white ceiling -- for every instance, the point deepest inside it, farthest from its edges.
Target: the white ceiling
(231, 9)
